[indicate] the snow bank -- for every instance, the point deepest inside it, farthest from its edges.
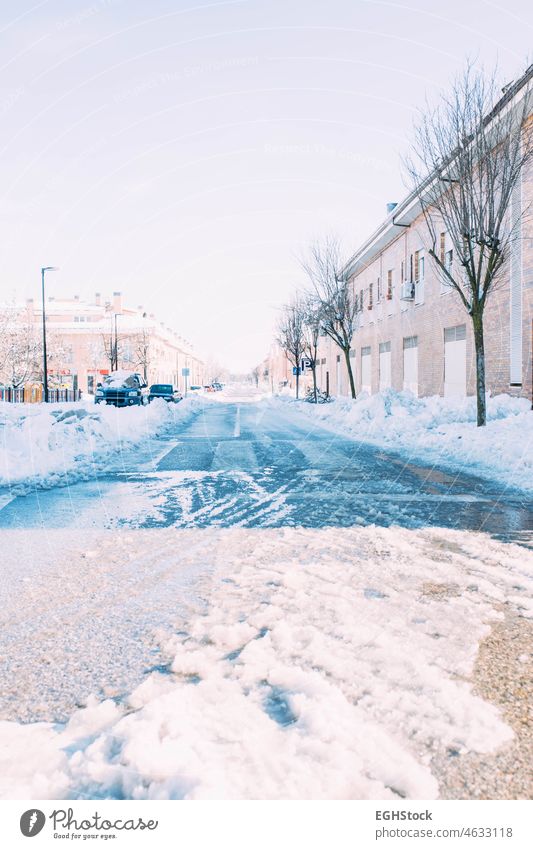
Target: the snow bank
(317, 664)
(45, 445)
(438, 430)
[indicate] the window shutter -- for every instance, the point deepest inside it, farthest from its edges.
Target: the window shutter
(442, 247)
(417, 265)
(370, 295)
(389, 284)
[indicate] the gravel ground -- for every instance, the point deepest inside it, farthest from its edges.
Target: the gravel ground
(503, 675)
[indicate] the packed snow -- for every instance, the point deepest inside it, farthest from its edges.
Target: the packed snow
(313, 664)
(438, 430)
(45, 445)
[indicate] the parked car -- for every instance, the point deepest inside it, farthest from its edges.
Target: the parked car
(195, 388)
(165, 391)
(122, 389)
(217, 386)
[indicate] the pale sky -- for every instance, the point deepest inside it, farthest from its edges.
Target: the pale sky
(185, 153)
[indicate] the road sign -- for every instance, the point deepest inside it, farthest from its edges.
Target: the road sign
(306, 363)
(295, 370)
(185, 372)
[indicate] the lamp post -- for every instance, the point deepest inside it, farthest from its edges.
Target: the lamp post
(45, 365)
(116, 343)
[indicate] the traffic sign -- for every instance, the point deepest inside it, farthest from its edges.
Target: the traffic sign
(295, 370)
(185, 372)
(307, 363)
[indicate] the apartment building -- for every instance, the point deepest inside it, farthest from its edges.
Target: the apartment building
(413, 331)
(82, 336)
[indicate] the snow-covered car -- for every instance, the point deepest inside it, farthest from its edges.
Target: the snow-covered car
(122, 389)
(165, 391)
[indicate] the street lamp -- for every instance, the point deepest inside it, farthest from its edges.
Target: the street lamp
(45, 365)
(116, 343)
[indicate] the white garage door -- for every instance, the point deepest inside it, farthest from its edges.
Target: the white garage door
(339, 375)
(366, 370)
(384, 366)
(455, 361)
(410, 364)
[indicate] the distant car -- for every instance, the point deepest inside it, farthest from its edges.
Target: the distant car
(122, 389)
(195, 388)
(217, 387)
(209, 388)
(165, 391)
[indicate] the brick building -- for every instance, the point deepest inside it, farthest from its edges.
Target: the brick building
(81, 335)
(413, 331)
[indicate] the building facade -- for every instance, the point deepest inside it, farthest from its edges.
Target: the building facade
(82, 337)
(412, 330)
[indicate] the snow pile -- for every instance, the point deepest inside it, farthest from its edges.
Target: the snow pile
(439, 430)
(46, 445)
(319, 665)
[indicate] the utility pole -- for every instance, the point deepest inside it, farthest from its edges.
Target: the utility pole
(45, 363)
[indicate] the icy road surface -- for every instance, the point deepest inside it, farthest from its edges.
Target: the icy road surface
(248, 465)
(245, 626)
(254, 465)
(315, 664)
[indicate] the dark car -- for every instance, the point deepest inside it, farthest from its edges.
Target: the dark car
(165, 391)
(122, 389)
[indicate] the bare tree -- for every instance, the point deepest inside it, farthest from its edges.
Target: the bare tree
(141, 351)
(335, 296)
(20, 349)
(112, 349)
(291, 335)
(466, 162)
(313, 330)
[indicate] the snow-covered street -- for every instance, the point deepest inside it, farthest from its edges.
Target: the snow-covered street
(243, 603)
(261, 464)
(306, 664)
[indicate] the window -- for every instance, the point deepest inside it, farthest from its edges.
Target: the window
(446, 256)
(378, 288)
(389, 284)
(419, 264)
(455, 334)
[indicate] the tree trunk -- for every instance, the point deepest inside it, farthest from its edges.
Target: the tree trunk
(314, 384)
(297, 382)
(477, 320)
(350, 372)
